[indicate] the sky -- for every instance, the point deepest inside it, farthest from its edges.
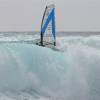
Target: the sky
(71, 15)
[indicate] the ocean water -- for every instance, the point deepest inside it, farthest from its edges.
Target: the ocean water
(30, 72)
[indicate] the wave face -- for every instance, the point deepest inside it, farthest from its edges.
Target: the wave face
(30, 72)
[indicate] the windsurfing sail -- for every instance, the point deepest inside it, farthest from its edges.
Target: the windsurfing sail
(48, 35)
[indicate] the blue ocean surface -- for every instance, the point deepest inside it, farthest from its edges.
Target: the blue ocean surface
(31, 72)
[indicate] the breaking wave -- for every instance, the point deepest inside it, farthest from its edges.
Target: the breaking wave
(30, 72)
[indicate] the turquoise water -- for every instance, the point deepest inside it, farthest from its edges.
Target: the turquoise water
(30, 72)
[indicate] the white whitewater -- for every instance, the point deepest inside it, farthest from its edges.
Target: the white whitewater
(29, 72)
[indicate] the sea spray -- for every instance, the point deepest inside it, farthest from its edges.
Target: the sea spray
(39, 72)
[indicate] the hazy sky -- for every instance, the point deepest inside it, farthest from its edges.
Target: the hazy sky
(71, 15)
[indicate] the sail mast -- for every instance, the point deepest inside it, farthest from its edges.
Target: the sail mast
(41, 41)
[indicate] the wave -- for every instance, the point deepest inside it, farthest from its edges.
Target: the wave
(39, 73)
